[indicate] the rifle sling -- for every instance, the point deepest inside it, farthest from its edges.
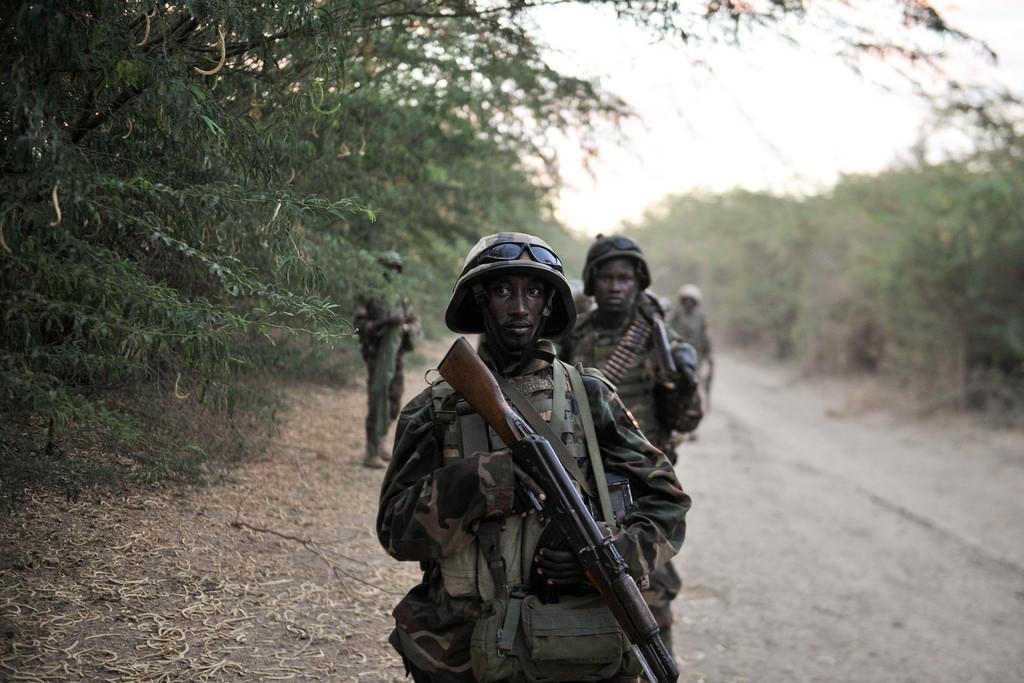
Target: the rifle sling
(580, 392)
(533, 418)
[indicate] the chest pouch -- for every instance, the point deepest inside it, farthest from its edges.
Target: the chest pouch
(575, 638)
(620, 497)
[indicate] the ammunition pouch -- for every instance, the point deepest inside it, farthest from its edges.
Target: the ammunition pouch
(620, 495)
(575, 639)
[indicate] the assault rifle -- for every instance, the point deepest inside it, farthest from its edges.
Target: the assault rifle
(563, 506)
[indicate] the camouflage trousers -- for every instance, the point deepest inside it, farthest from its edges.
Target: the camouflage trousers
(665, 581)
(384, 388)
(665, 586)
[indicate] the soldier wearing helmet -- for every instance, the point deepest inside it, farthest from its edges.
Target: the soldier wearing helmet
(688, 320)
(454, 501)
(388, 328)
(618, 336)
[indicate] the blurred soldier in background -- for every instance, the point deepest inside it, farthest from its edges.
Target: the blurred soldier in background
(619, 337)
(388, 327)
(688, 320)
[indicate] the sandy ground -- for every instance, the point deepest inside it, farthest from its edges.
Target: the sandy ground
(830, 541)
(825, 544)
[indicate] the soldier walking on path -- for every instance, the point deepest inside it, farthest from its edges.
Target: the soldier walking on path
(502, 599)
(388, 328)
(617, 337)
(688, 320)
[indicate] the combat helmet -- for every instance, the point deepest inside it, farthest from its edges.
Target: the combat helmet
(510, 252)
(689, 291)
(607, 247)
(390, 259)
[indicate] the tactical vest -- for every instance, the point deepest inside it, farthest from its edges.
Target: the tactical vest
(636, 389)
(464, 432)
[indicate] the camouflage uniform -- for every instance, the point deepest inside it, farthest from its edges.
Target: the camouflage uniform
(439, 490)
(691, 325)
(591, 344)
(387, 329)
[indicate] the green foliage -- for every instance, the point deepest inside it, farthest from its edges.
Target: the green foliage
(916, 271)
(193, 190)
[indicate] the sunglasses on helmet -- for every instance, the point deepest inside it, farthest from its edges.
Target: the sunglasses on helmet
(617, 243)
(511, 251)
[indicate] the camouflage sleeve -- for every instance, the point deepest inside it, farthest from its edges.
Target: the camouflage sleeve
(429, 508)
(361, 313)
(653, 532)
(414, 330)
(362, 319)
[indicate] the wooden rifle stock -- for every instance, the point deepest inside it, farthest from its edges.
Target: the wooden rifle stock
(462, 368)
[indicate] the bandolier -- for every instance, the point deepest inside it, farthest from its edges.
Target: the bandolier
(623, 355)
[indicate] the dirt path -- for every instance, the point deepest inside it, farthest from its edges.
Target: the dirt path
(823, 546)
(826, 545)
(276, 576)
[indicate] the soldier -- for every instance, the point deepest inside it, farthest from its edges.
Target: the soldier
(387, 329)
(453, 499)
(617, 337)
(688, 320)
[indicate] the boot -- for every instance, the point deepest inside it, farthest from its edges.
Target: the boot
(384, 453)
(374, 462)
(373, 459)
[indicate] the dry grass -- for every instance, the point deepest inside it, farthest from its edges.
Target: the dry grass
(274, 576)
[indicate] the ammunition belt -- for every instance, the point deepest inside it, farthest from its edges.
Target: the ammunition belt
(629, 352)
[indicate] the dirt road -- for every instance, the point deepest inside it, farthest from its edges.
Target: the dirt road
(826, 545)
(823, 546)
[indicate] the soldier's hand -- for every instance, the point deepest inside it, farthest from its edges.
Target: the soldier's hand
(559, 567)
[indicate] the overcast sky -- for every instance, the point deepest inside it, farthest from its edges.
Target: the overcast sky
(766, 117)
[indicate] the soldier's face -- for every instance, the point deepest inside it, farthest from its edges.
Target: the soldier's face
(515, 304)
(615, 285)
(688, 304)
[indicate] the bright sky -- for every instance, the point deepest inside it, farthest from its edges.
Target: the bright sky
(769, 117)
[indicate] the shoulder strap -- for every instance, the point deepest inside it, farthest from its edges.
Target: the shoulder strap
(533, 418)
(593, 449)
